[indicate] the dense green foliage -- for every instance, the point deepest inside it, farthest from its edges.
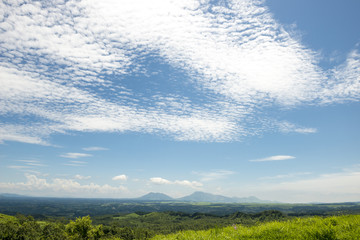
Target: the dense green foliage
(22, 228)
(126, 226)
(169, 222)
(330, 228)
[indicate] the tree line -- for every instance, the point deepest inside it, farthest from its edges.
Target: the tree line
(139, 225)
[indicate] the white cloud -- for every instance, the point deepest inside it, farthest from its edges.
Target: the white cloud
(121, 177)
(192, 184)
(334, 187)
(95, 149)
(28, 166)
(344, 84)
(33, 163)
(159, 180)
(18, 166)
(11, 132)
(214, 175)
(282, 176)
(163, 181)
(75, 155)
(76, 163)
(88, 113)
(60, 187)
(80, 177)
(337, 182)
(273, 158)
(287, 127)
(53, 55)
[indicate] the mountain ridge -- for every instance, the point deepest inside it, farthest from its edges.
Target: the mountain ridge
(13, 195)
(199, 196)
(153, 196)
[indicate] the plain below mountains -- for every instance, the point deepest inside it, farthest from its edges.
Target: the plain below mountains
(201, 197)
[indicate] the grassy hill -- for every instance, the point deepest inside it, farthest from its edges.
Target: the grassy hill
(340, 227)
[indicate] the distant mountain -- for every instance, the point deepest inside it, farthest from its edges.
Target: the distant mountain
(205, 197)
(208, 197)
(155, 197)
(195, 197)
(12, 195)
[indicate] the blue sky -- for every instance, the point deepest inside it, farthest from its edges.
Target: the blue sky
(239, 98)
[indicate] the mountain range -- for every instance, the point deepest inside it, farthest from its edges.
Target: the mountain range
(202, 197)
(194, 197)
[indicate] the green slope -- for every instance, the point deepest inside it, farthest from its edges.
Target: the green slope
(340, 227)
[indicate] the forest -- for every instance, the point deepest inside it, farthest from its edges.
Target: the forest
(44, 218)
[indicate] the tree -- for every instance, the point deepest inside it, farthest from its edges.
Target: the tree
(82, 228)
(8, 230)
(53, 231)
(29, 230)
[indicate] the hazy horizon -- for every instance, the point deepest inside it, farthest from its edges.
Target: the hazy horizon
(236, 200)
(116, 99)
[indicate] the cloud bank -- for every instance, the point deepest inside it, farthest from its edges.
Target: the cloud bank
(91, 66)
(61, 187)
(334, 187)
(187, 183)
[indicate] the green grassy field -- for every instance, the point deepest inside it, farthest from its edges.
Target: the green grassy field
(338, 227)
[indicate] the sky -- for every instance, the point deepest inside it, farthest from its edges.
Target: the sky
(115, 98)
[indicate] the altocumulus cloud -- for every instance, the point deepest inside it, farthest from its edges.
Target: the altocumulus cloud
(235, 56)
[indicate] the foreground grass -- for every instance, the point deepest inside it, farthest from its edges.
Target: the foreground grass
(339, 227)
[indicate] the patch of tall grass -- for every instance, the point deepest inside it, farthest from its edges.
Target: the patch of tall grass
(330, 228)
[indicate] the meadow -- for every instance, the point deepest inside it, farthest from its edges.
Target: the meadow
(328, 228)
